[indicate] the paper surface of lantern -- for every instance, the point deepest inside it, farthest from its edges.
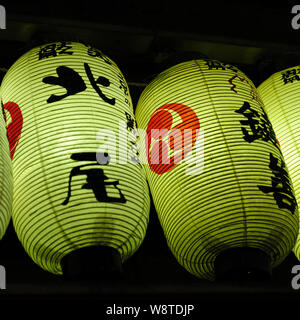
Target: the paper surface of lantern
(280, 95)
(212, 162)
(73, 187)
(6, 178)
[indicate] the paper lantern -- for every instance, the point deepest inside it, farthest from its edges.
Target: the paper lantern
(6, 179)
(73, 185)
(212, 162)
(280, 95)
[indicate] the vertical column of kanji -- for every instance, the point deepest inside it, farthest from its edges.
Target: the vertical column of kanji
(280, 95)
(75, 186)
(215, 169)
(6, 184)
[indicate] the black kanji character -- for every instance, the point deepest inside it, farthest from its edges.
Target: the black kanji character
(96, 180)
(93, 52)
(216, 65)
(48, 51)
(123, 85)
(232, 68)
(134, 149)
(73, 83)
(54, 49)
(281, 186)
(64, 48)
(67, 78)
(257, 125)
(101, 81)
(290, 76)
(131, 123)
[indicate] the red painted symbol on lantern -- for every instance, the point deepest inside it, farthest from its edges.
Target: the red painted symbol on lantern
(168, 141)
(252, 89)
(15, 126)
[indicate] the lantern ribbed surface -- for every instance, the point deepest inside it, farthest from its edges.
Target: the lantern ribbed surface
(6, 178)
(219, 196)
(73, 187)
(280, 95)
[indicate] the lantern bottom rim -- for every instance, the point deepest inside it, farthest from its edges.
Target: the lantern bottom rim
(243, 263)
(92, 263)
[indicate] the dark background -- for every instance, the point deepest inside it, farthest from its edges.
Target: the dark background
(144, 38)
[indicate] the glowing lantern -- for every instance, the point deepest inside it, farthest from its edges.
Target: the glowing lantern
(211, 160)
(73, 187)
(280, 95)
(5, 174)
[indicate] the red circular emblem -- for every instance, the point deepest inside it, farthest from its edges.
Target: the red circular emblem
(171, 133)
(15, 127)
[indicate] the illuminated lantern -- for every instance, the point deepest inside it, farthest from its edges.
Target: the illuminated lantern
(73, 185)
(6, 178)
(280, 95)
(212, 162)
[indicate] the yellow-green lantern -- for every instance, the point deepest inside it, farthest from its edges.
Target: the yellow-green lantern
(75, 185)
(212, 162)
(6, 178)
(280, 95)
